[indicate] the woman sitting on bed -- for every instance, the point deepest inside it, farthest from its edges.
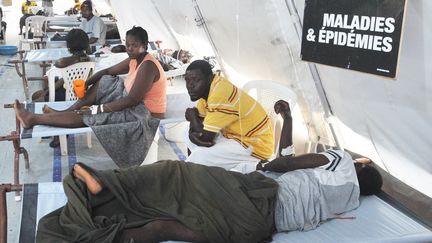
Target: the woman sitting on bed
(176, 200)
(145, 84)
(124, 115)
(77, 42)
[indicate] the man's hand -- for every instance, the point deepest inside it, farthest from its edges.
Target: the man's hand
(262, 164)
(195, 137)
(191, 113)
(282, 107)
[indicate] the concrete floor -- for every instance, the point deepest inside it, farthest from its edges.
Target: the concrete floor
(42, 157)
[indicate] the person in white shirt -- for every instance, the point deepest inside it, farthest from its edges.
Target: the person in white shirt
(92, 25)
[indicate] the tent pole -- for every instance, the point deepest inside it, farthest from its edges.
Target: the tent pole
(315, 74)
(201, 22)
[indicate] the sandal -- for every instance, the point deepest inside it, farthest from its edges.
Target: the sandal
(55, 142)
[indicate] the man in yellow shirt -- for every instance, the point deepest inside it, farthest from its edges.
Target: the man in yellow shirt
(228, 128)
(26, 11)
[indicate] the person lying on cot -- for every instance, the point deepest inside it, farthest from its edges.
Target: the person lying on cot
(228, 128)
(145, 84)
(183, 201)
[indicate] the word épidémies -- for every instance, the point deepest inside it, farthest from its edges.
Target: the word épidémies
(376, 37)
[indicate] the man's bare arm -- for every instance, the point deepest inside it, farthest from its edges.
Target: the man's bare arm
(197, 134)
(288, 163)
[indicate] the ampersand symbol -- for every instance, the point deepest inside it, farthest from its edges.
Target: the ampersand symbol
(310, 36)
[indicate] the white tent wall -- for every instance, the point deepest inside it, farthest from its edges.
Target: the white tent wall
(182, 20)
(389, 120)
(384, 119)
(101, 6)
(131, 13)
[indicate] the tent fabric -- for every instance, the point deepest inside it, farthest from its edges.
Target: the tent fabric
(384, 119)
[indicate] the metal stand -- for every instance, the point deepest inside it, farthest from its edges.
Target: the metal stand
(4, 188)
(16, 141)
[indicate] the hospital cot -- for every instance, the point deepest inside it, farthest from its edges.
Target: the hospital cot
(376, 220)
(176, 106)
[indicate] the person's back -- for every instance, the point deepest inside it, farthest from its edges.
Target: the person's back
(77, 43)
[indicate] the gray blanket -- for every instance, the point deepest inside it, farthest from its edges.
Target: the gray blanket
(125, 135)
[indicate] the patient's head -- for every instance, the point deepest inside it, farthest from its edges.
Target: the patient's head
(182, 55)
(118, 49)
(77, 41)
(370, 180)
(199, 76)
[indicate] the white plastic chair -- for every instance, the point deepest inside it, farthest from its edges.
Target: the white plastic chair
(267, 92)
(36, 25)
(81, 70)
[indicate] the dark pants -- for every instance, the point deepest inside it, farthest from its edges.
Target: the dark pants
(22, 20)
(3, 29)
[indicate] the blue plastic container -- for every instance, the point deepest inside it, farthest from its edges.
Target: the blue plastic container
(8, 50)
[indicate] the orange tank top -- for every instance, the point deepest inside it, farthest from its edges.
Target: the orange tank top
(155, 98)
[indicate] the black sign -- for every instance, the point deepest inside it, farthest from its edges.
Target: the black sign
(362, 35)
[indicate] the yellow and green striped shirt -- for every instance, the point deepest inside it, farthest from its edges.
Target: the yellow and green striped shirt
(237, 116)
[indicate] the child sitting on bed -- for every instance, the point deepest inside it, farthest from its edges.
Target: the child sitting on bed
(175, 200)
(77, 43)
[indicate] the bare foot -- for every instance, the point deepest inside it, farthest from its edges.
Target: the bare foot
(47, 109)
(92, 184)
(22, 115)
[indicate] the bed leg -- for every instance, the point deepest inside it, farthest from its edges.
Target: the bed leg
(3, 215)
(4, 188)
(17, 151)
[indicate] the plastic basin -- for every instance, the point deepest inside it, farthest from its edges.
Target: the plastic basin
(8, 50)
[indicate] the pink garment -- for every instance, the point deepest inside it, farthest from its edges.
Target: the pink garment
(155, 98)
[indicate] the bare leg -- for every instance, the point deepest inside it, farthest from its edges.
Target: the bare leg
(88, 100)
(162, 230)
(92, 184)
(63, 119)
